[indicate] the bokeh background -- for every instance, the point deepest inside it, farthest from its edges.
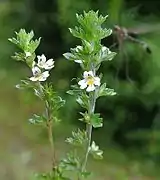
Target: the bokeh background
(130, 137)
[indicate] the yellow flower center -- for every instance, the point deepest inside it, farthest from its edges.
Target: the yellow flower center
(90, 81)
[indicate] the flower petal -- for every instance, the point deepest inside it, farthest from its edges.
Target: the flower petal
(44, 76)
(82, 84)
(41, 60)
(97, 81)
(49, 64)
(45, 73)
(33, 78)
(36, 70)
(85, 74)
(90, 88)
(90, 73)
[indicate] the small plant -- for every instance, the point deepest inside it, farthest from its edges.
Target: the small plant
(87, 89)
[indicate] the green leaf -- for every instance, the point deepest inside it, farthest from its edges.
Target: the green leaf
(50, 176)
(96, 121)
(90, 31)
(33, 45)
(19, 56)
(95, 151)
(78, 138)
(105, 54)
(70, 163)
(26, 43)
(25, 84)
(83, 100)
(93, 119)
(109, 57)
(89, 47)
(57, 102)
(103, 91)
(85, 174)
(69, 56)
(54, 100)
(29, 85)
(75, 91)
(86, 117)
(89, 28)
(37, 120)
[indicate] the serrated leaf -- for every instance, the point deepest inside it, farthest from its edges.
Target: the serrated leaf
(26, 43)
(37, 120)
(78, 138)
(103, 91)
(24, 84)
(86, 117)
(89, 28)
(110, 56)
(106, 54)
(85, 174)
(83, 100)
(57, 102)
(70, 163)
(95, 151)
(69, 56)
(54, 100)
(33, 45)
(96, 121)
(74, 92)
(89, 47)
(50, 176)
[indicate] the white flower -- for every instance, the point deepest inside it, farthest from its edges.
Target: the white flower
(44, 63)
(90, 82)
(38, 75)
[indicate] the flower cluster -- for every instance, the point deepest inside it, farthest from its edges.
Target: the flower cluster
(41, 69)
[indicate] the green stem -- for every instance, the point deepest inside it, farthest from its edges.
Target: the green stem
(49, 125)
(50, 136)
(89, 137)
(89, 130)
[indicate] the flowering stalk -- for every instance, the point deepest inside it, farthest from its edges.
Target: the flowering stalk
(89, 55)
(40, 72)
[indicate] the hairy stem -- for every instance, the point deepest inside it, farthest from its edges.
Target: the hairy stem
(89, 137)
(49, 128)
(50, 136)
(89, 130)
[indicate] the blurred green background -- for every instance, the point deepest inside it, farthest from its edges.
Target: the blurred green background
(130, 137)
